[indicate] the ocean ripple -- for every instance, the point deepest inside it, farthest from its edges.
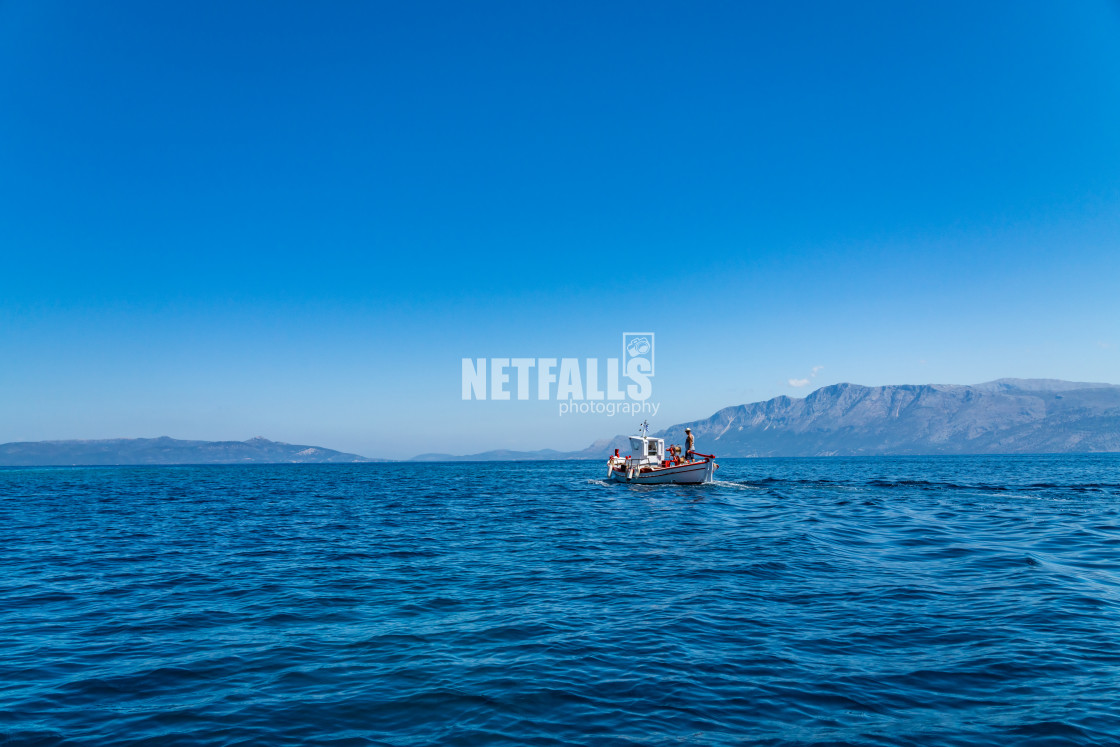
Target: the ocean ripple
(893, 601)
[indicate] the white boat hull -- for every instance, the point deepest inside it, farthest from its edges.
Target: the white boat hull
(689, 473)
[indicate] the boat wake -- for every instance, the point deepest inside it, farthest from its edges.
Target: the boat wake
(735, 485)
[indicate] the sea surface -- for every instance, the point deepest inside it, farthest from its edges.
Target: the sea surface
(866, 601)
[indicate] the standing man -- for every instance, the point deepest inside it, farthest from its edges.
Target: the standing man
(688, 443)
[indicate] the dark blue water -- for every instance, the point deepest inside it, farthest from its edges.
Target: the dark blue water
(916, 601)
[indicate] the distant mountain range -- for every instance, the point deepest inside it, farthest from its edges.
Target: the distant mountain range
(139, 451)
(1008, 416)
(597, 450)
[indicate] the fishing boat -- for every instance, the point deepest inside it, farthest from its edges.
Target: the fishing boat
(647, 463)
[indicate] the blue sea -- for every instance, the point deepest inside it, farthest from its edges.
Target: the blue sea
(865, 601)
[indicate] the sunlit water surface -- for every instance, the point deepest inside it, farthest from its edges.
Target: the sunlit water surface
(900, 601)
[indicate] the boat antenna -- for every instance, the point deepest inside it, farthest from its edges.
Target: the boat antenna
(644, 427)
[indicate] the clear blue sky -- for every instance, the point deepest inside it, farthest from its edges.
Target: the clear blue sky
(294, 219)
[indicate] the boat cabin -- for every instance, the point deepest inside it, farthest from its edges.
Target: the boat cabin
(645, 451)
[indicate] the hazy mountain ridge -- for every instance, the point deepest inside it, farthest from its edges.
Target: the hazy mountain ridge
(597, 450)
(1006, 416)
(164, 450)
